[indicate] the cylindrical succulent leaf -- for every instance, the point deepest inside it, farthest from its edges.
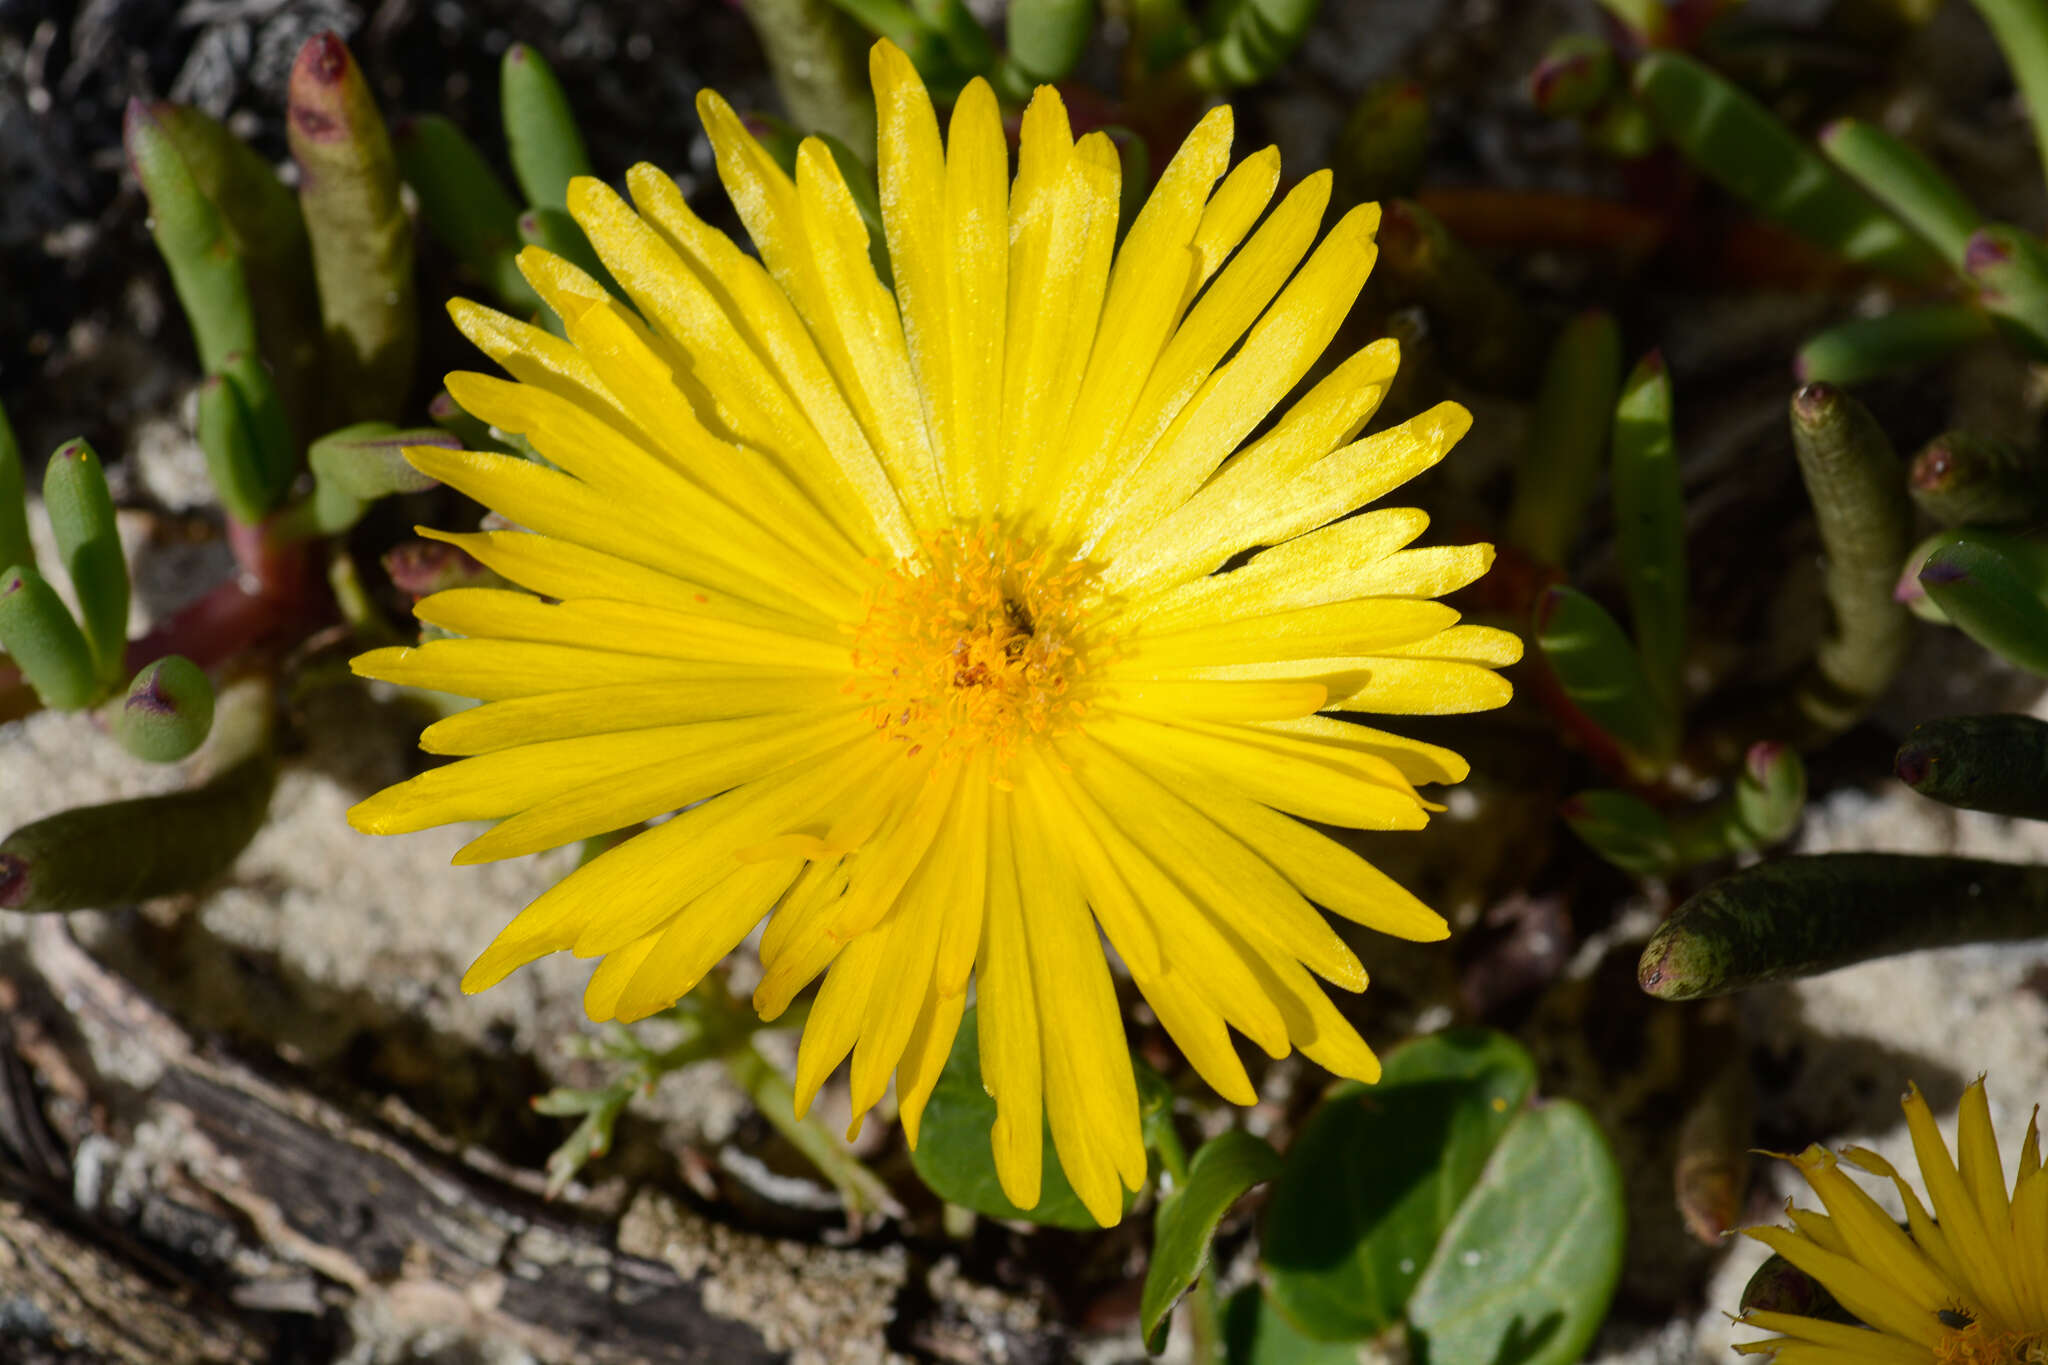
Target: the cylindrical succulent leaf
(360, 464)
(89, 542)
(113, 855)
(1906, 183)
(1990, 763)
(1253, 37)
(540, 129)
(1994, 587)
(1575, 75)
(1602, 674)
(1381, 147)
(1864, 349)
(206, 269)
(1858, 491)
(270, 431)
(2021, 27)
(1625, 830)
(1649, 525)
(262, 220)
(227, 438)
(38, 633)
(361, 237)
(818, 57)
(465, 204)
(2010, 269)
(1769, 795)
(15, 547)
(1734, 139)
(1963, 479)
(168, 711)
(1802, 916)
(1568, 437)
(1046, 38)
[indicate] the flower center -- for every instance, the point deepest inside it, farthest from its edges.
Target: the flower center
(983, 646)
(1973, 1343)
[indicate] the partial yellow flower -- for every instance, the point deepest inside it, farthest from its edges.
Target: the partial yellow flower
(1964, 1285)
(911, 604)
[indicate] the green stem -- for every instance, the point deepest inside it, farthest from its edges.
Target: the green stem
(773, 1095)
(1802, 916)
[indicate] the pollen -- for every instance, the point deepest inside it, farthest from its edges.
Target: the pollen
(1972, 1343)
(981, 647)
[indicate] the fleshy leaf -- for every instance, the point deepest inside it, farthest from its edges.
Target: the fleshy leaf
(1219, 1175)
(1376, 1173)
(1526, 1268)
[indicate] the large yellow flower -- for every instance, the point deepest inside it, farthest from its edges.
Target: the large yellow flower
(911, 604)
(1966, 1285)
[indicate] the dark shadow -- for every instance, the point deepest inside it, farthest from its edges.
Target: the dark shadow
(1517, 1345)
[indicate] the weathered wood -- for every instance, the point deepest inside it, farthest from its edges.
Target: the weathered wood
(279, 1203)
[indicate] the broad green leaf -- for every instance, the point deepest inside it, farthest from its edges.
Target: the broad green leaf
(1524, 1272)
(953, 1157)
(1731, 137)
(1994, 585)
(1255, 1334)
(1377, 1172)
(1221, 1172)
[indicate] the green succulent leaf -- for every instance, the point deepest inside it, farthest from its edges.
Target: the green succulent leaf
(1525, 1269)
(1864, 349)
(1376, 1175)
(1738, 142)
(1218, 1177)
(1649, 525)
(1602, 673)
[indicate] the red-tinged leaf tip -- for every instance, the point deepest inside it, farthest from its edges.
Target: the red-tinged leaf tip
(529, 223)
(1983, 252)
(1813, 401)
(1762, 757)
(1908, 589)
(1546, 607)
(324, 58)
(1652, 363)
(1650, 973)
(14, 880)
(518, 53)
(151, 697)
(1932, 467)
(441, 407)
(1936, 574)
(12, 584)
(1835, 131)
(1914, 765)
(1571, 808)
(1544, 79)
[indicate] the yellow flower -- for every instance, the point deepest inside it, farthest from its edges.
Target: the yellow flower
(1967, 1285)
(909, 603)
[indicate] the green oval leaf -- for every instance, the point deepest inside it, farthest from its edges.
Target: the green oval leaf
(1254, 1334)
(1523, 1274)
(953, 1156)
(1376, 1174)
(1221, 1172)
(1601, 672)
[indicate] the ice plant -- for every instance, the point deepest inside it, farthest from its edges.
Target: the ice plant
(911, 605)
(1964, 1285)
